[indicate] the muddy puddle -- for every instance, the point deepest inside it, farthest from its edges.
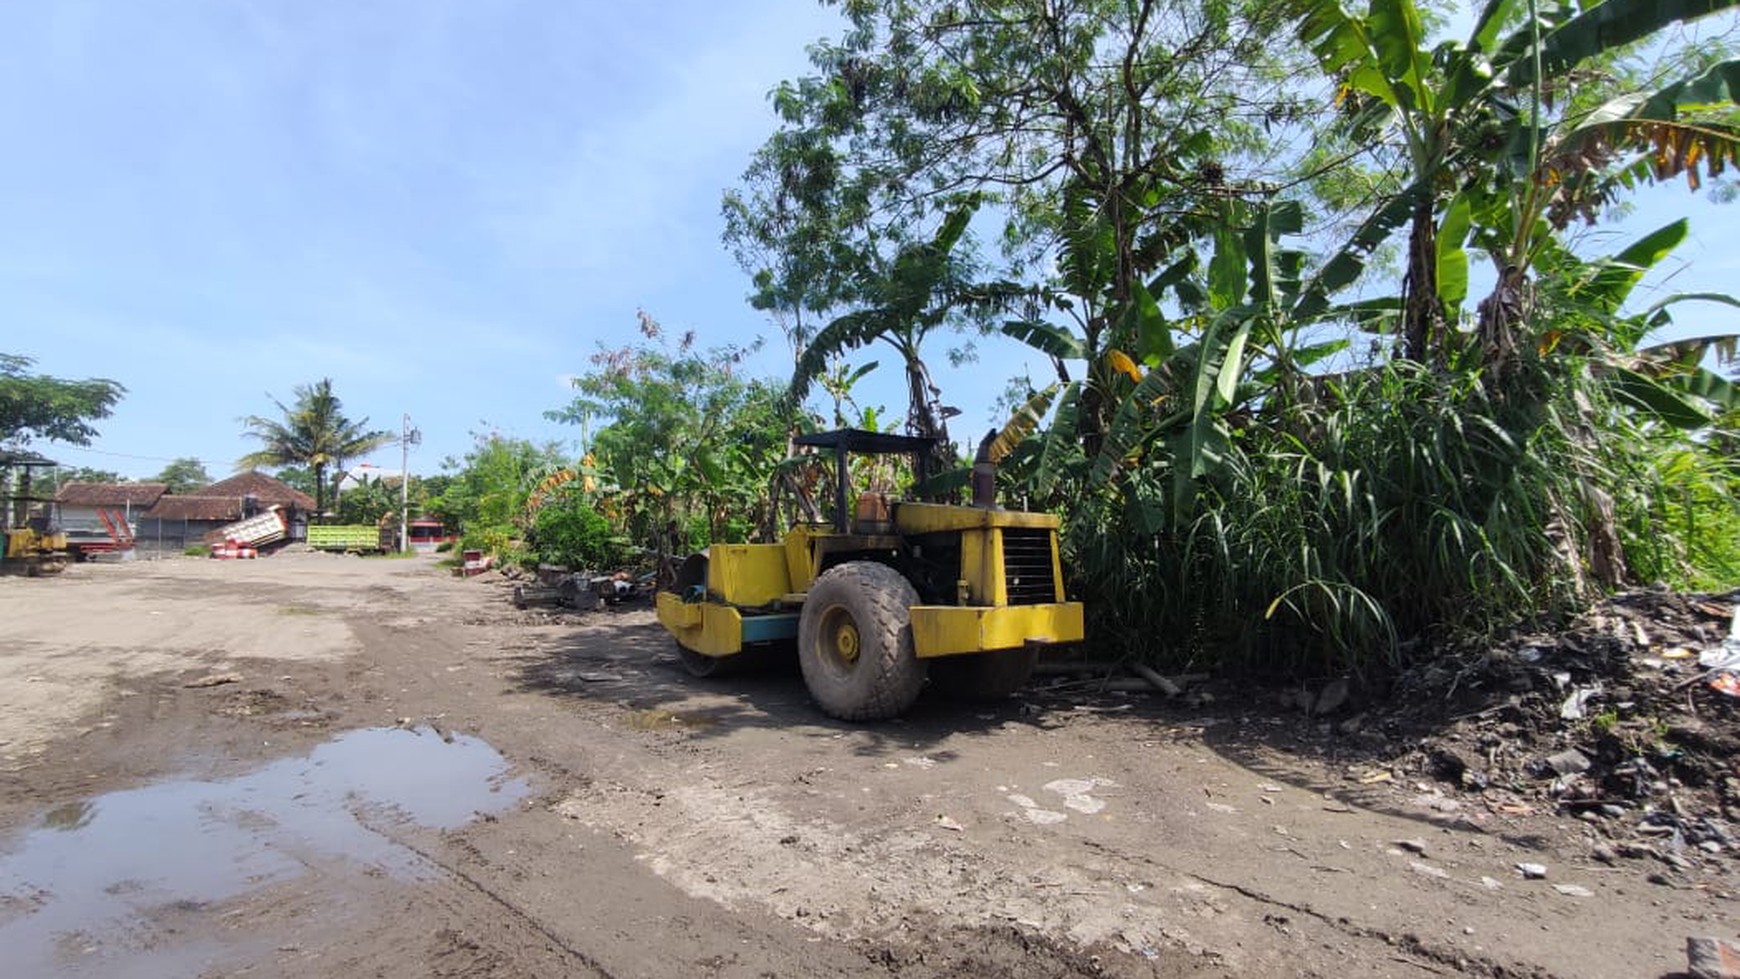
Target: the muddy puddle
(106, 886)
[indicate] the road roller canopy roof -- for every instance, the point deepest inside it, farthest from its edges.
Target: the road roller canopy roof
(24, 460)
(860, 440)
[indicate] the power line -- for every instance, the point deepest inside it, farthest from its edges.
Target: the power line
(129, 455)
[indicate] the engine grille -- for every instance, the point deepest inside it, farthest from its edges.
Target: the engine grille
(1027, 566)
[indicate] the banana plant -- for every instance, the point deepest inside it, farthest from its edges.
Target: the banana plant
(1451, 107)
(1671, 381)
(918, 293)
(1205, 375)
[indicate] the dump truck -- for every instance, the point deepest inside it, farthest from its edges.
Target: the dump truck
(886, 597)
(256, 531)
(345, 537)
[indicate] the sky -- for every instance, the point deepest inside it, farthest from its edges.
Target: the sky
(443, 206)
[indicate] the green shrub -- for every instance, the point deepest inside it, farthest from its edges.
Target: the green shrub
(568, 531)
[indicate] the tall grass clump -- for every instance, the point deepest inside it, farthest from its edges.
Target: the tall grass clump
(1400, 504)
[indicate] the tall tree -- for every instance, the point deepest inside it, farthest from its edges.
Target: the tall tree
(39, 406)
(184, 475)
(1120, 119)
(313, 432)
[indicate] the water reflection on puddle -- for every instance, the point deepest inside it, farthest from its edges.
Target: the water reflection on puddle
(93, 886)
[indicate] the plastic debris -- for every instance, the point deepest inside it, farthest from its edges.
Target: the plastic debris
(1723, 657)
(1712, 958)
(1532, 871)
(1574, 707)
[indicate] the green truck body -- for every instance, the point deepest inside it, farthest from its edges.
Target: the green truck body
(344, 537)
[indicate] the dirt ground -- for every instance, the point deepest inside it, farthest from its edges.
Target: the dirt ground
(311, 765)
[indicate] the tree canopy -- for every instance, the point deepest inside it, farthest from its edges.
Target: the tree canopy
(1181, 196)
(37, 406)
(184, 475)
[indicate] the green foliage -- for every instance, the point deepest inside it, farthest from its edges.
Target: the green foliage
(297, 477)
(569, 531)
(1485, 461)
(367, 501)
(184, 476)
(37, 406)
(1487, 116)
(683, 439)
(372, 501)
(313, 432)
(486, 494)
(55, 478)
(1404, 505)
(1310, 524)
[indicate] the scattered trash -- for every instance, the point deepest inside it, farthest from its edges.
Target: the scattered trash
(1573, 890)
(1532, 871)
(1723, 657)
(947, 823)
(1576, 705)
(214, 680)
(1723, 661)
(1712, 958)
(1412, 846)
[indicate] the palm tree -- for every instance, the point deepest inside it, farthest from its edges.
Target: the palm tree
(314, 432)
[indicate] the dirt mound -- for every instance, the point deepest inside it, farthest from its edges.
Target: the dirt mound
(1610, 718)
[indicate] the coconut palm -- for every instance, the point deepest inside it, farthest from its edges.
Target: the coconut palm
(313, 432)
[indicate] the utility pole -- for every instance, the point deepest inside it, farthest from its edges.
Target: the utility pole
(408, 437)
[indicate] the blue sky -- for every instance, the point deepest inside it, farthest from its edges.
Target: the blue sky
(444, 206)
(441, 205)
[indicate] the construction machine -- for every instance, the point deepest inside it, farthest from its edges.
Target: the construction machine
(33, 545)
(889, 595)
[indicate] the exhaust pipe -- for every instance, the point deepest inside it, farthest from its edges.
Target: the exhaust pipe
(985, 474)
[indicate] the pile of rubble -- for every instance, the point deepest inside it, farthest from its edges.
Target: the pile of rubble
(554, 586)
(1628, 718)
